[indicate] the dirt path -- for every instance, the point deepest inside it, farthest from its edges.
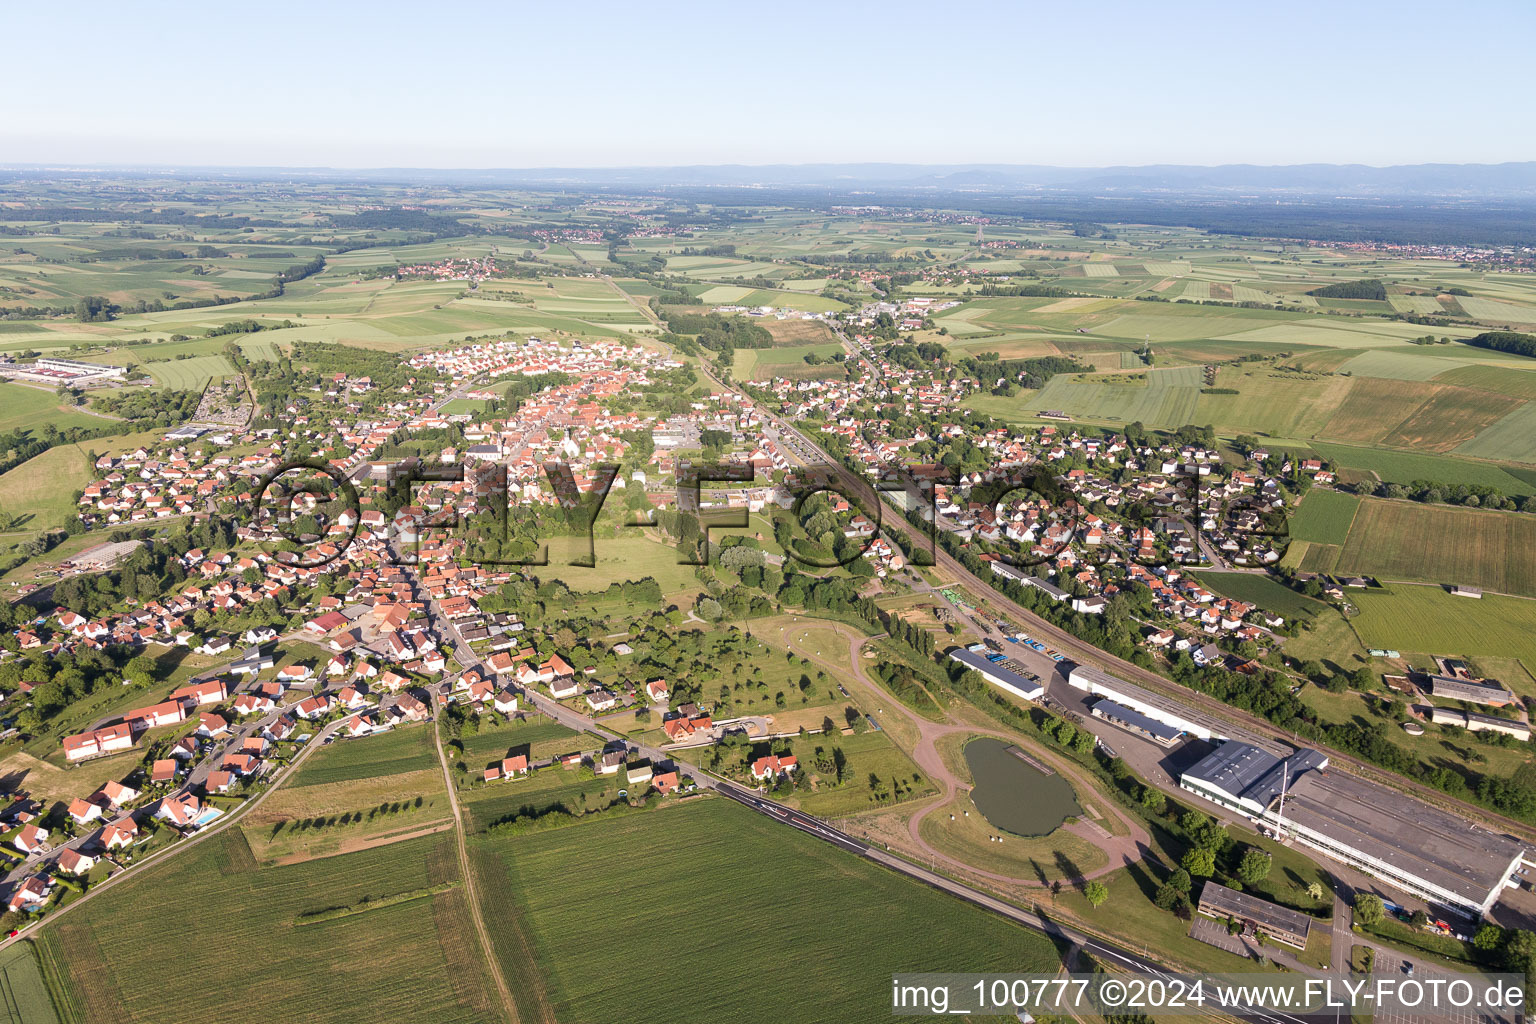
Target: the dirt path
(1121, 850)
(645, 310)
(366, 843)
(469, 882)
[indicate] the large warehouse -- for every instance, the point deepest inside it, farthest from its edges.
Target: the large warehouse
(998, 675)
(1423, 850)
(1156, 707)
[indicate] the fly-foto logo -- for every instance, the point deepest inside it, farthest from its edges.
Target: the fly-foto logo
(308, 514)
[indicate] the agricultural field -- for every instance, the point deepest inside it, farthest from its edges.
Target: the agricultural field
(24, 996)
(1432, 620)
(1160, 398)
(1406, 467)
(753, 363)
(189, 374)
(1264, 591)
(39, 494)
(230, 915)
(1324, 516)
(403, 749)
(850, 925)
(1399, 540)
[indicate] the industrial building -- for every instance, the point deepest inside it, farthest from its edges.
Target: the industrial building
(999, 676)
(62, 371)
(1474, 722)
(1158, 708)
(1271, 920)
(1456, 688)
(1433, 854)
(1132, 720)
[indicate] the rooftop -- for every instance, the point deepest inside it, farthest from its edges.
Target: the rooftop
(1269, 916)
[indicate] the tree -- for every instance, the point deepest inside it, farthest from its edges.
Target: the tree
(1199, 862)
(1096, 893)
(1254, 867)
(1369, 909)
(1488, 937)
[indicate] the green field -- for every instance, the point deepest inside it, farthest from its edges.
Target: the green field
(404, 749)
(1512, 437)
(1400, 540)
(1431, 620)
(1406, 467)
(1164, 398)
(28, 408)
(1267, 593)
(40, 493)
(1324, 516)
(24, 997)
(786, 361)
(209, 914)
(189, 374)
(718, 885)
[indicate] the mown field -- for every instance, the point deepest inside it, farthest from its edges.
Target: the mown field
(1267, 593)
(1399, 540)
(714, 885)
(403, 749)
(1431, 620)
(189, 374)
(39, 494)
(229, 935)
(1324, 516)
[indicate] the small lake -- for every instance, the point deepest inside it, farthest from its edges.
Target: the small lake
(1013, 794)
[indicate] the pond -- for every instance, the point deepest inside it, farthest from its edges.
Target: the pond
(1015, 795)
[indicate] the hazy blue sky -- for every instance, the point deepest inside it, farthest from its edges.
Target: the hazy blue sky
(506, 84)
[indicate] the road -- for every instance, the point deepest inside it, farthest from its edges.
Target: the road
(466, 870)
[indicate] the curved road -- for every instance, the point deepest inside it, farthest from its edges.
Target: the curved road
(1120, 850)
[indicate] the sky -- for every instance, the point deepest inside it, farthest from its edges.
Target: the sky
(471, 84)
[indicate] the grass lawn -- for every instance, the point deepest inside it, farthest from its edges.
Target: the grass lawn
(402, 749)
(868, 753)
(618, 558)
(722, 885)
(1434, 749)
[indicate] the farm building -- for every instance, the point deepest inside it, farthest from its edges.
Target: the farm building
(1456, 688)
